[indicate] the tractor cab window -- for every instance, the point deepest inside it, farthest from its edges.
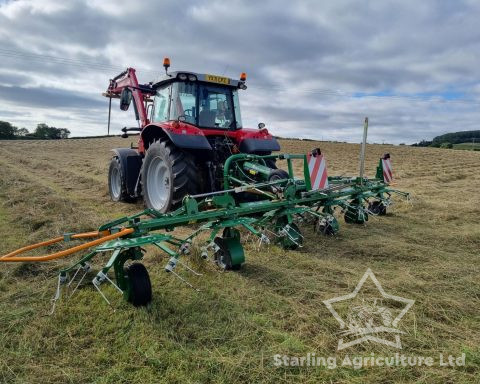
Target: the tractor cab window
(206, 106)
(183, 104)
(160, 111)
(236, 106)
(216, 107)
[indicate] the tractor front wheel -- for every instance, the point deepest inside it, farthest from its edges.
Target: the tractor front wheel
(168, 174)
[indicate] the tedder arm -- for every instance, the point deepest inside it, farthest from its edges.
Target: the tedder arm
(282, 204)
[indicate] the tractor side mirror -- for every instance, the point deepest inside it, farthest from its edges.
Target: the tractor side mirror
(125, 99)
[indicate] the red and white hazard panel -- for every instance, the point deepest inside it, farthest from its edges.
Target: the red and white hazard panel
(387, 170)
(317, 166)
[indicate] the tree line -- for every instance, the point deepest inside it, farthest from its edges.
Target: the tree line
(449, 139)
(42, 132)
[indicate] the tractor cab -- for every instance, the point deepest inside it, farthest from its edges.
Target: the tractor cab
(202, 100)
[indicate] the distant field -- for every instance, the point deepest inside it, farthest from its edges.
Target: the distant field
(468, 146)
(426, 250)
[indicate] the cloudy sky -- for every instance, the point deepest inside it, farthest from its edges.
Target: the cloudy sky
(315, 68)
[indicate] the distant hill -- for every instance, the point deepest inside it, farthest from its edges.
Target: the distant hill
(456, 138)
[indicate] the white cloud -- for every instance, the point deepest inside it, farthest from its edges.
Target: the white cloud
(306, 61)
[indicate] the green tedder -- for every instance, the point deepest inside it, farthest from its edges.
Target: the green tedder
(256, 197)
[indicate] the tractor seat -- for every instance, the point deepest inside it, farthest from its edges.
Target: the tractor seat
(207, 118)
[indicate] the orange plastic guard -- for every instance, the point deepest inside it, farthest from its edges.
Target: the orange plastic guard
(104, 236)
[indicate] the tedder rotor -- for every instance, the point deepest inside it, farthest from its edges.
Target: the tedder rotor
(283, 203)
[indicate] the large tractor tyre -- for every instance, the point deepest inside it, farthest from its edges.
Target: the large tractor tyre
(139, 285)
(168, 174)
(117, 185)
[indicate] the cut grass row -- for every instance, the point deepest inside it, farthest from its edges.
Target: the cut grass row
(229, 332)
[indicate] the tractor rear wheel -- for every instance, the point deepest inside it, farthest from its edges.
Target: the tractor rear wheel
(168, 174)
(140, 287)
(116, 182)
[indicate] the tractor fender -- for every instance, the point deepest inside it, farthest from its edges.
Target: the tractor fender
(258, 141)
(253, 145)
(182, 135)
(131, 162)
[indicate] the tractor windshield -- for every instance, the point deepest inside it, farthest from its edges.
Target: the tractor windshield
(216, 106)
(207, 106)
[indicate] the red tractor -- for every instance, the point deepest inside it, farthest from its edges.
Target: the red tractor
(189, 124)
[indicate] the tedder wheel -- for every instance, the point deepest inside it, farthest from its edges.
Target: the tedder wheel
(139, 286)
(355, 213)
(116, 182)
(328, 226)
(292, 239)
(224, 258)
(271, 163)
(277, 174)
(377, 208)
(168, 174)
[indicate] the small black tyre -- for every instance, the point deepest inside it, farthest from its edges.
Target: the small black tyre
(140, 287)
(278, 174)
(324, 226)
(271, 163)
(291, 238)
(116, 182)
(377, 208)
(223, 257)
(275, 175)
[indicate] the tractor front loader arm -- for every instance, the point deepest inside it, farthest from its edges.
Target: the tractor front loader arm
(127, 80)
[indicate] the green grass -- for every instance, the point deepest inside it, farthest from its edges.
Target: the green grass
(467, 146)
(426, 250)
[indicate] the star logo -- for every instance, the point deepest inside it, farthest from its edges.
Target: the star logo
(372, 320)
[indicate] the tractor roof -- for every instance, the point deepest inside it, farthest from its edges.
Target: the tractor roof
(204, 77)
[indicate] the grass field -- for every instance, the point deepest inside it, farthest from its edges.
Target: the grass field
(426, 249)
(467, 146)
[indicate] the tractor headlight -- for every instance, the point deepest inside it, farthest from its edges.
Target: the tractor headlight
(242, 86)
(182, 76)
(192, 78)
